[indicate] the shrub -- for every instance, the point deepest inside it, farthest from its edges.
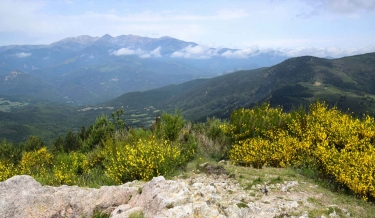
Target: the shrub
(33, 143)
(70, 168)
(9, 152)
(330, 142)
(277, 150)
(7, 170)
(102, 128)
(250, 123)
(212, 138)
(36, 163)
(170, 126)
(142, 160)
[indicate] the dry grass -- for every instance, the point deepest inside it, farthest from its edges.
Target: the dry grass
(320, 200)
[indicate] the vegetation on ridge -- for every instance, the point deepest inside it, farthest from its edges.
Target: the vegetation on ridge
(335, 145)
(344, 82)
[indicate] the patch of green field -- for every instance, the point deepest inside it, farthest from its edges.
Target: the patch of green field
(353, 100)
(7, 105)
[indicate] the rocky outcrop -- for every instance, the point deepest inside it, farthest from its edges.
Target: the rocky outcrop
(199, 195)
(22, 196)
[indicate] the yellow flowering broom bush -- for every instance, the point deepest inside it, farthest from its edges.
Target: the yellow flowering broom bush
(7, 170)
(36, 163)
(333, 143)
(142, 160)
(69, 168)
(245, 123)
(278, 150)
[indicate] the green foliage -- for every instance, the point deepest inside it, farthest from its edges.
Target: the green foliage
(106, 153)
(97, 132)
(57, 145)
(242, 205)
(33, 143)
(9, 152)
(100, 214)
(102, 129)
(72, 142)
(170, 126)
(137, 214)
(212, 139)
(256, 122)
(117, 121)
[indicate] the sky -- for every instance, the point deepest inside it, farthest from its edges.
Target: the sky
(321, 28)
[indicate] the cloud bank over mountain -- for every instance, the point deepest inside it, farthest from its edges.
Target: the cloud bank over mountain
(196, 52)
(205, 52)
(22, 55)
(139, 52)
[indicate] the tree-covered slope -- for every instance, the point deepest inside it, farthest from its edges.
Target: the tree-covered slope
(347, 82)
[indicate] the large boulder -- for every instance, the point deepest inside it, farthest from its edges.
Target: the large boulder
(22, 196)
(200, 195)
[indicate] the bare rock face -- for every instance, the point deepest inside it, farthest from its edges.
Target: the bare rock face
(200, 195)
(22, 196)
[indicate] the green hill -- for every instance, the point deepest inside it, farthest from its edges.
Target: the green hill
(347, 82)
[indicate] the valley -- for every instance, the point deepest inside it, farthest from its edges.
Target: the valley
(345, 82)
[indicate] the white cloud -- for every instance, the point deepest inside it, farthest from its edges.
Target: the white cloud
(196, 52)
(123, 51)
(205, 52)
(349, 6)
(242, 53)
(156, 52)
(328, 52)
(22, 55)
(139, 52)
(145, 55)
(337, 6)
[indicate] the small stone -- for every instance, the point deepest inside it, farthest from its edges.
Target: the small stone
(294, 204)
(284, 189)
(203, 165)
(333, 214)
(305, 214)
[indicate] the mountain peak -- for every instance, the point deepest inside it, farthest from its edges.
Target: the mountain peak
(106, 36)
(76, 42)
(13, 75)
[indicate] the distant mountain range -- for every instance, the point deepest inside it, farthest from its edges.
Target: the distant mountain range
(87, 70)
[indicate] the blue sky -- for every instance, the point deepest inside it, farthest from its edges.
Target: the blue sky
(295, 27)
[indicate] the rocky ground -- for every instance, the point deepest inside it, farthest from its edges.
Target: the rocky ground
(210, 191)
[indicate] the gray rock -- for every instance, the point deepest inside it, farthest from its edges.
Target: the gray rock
(201, 195)
(294, 204)
(203, 165)
(22, 196)
(222, 162)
